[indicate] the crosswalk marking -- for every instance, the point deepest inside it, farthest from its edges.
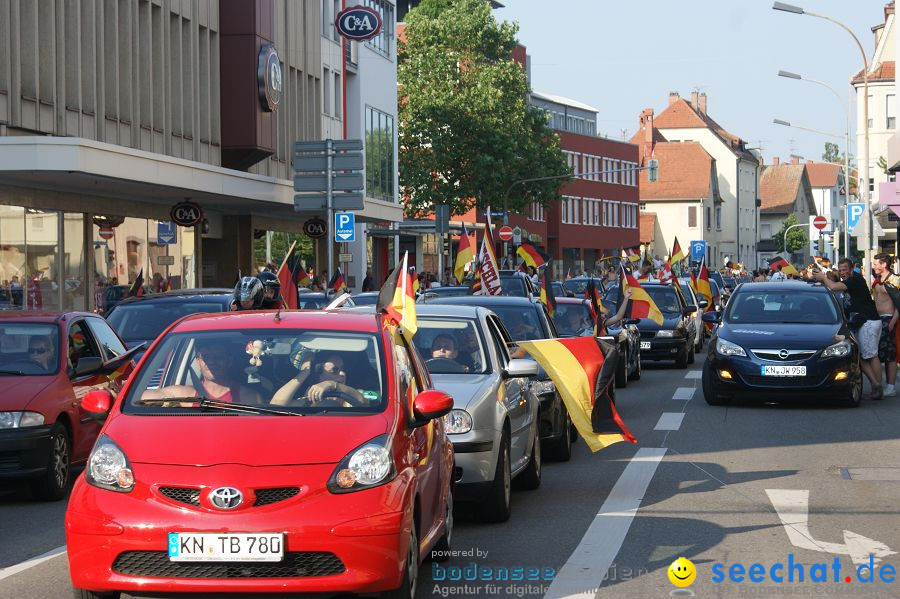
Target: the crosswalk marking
(694, 374)
(685, 393)
(669, 421)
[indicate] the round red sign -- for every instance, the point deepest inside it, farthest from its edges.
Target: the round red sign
(106, 232)
(505, 233)
(820, 222)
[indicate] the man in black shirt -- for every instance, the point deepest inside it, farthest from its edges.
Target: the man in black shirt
(869, 333)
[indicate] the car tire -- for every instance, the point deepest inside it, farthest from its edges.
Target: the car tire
(854, 398)
(709, 394)
(561, 449)
(83, 594)
(407, 590)
(636, 375)
(682, 360)
(53, 485)
(441, 551)
(530, 478)
(622, 371)
(497, 505)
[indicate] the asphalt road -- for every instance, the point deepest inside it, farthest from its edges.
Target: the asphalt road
(702, 482)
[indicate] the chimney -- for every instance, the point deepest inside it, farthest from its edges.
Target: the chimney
(795, 160)
(776, 161)
(673, 97)
(647, 128)
(694, 95)
(703, 103)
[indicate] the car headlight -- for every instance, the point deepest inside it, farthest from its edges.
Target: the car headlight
(367, 466)
(20, 419)
(108, 467)
(543, 387)
(458, 422)
(669, 333)
(727, 348)
(838, 350)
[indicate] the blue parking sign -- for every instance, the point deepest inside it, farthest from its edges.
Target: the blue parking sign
(344, 226)
(854, 212)
(698, 250)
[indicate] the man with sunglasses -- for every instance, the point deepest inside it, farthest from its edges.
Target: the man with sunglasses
(40, 350)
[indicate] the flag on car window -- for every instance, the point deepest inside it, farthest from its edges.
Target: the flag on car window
(642, 305)
(488, 265)
(583, 370)
(137, 288)
(337, 283)
(287, 275)
(547, 297)
(703, 286)
(396, 301)
(415, 280)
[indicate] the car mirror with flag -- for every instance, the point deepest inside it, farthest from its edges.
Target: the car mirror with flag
(642, 305)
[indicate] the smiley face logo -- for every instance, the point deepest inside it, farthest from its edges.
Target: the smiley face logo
(682, 572)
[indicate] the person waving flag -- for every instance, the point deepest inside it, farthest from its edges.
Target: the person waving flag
(642, 305)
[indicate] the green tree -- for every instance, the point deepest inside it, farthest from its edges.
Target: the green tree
(832, 152)
(281, 243)
(467, 130)
(796, 238)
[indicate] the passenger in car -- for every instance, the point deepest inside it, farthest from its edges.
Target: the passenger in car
(322, 381)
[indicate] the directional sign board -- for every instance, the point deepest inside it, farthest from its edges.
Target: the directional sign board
(166, 232)
(854, 212)
(698, 250)
(344, 226)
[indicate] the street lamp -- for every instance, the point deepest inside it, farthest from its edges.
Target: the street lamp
(791, 75)
(864, 172)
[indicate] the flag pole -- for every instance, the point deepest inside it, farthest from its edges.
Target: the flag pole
(286, 256)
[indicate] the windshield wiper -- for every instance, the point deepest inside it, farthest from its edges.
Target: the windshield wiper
(14, 372)
(211, 404)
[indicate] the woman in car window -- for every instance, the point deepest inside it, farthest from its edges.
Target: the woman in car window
(321, 381)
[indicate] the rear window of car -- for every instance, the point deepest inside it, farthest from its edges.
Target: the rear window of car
(29, 348)
(781, 307)
(513, 286)
(267, 368)
(522, 323)
(577, 286)
(451, 345)
(140, 321)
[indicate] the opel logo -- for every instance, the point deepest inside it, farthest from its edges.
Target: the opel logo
(783, 354)
(226, 498)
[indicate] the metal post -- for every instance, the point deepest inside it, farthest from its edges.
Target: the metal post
(329, 206)
(440, 259)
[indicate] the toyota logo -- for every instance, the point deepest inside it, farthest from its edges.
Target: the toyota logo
(226, 498)
(783, 354)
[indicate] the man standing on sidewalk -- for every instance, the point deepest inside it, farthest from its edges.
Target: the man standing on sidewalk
(887, 349)
(869, 333)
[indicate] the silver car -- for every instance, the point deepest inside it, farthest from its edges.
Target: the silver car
(494, 423)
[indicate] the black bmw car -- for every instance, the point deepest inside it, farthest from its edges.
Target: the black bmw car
(782, 340)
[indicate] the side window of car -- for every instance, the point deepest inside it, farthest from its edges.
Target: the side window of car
(80, 343)
(107, 339)
(499, 342)
(548, 323)
(408, 383)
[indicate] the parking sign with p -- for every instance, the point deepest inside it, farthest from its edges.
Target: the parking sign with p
(854, 212)
(344, 226)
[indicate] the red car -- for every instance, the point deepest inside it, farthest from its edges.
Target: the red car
(48, 363)
(253, 452)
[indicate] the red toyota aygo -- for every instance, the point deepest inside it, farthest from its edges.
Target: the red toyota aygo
(258, 452)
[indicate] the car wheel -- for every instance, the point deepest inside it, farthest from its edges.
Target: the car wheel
(709, 394)
(622, 370)
(497, 504)
(530, 478)
(561, 449)
(441, 551)
(855, 395)
(636, 375)
(54, 483)
(83, 594)
(682, 360)
(407, 590)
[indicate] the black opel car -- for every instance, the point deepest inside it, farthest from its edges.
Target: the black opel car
(785, 339)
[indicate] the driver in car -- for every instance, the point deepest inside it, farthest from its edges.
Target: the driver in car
(40, 350)
(443, 347)
(320, 382)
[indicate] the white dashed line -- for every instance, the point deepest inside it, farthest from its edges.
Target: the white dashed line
(684, 393)
(22, 566)
(669, 421)
(694, 374)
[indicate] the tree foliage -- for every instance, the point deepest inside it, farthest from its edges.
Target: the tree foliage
(796, 238)
(467, 130)
(833, 154)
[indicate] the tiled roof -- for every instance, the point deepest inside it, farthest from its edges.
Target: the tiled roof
(778, 187)
(822, 174)
(648, 227)
(681, 115)
(684, 172)
(881, 72)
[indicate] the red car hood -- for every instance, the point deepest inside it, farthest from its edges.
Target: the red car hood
(19, 391)
(247, 440)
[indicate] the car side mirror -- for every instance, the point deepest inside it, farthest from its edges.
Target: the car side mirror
(688, 310)
(88, 365)
(520, 367)
(856, 320)
(712, 317)
(632, 321)
(97, 404)
(430, 405)
(704, 303)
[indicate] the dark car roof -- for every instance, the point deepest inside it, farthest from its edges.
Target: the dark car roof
(39, 316)
(175, 295)
(486, 300)
(788, 286)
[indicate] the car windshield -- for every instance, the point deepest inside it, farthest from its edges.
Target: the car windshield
(573, 320)
(577, 286)
(317, 302)
(665, 299)
(729, 282)
(522, 323)
(298, 371)
(777, 307)
(450, 345)
(365, 300)
(514, 286)
(146, 320)
(448, 291)
(29, 348)
(686, 289)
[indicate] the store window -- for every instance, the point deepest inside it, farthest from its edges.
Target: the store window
(379, 154)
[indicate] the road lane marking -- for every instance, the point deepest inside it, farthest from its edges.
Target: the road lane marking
(669, 421)
(583, 572)
(792, 507)
(30, 563)
(685, 393)
(694, 374)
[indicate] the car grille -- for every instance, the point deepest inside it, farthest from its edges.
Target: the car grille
(9, 460)
(182, 495)
(191, 496)
(780, 381)
(648, 334)
(295, 564)
(269, 496)
(793, 355)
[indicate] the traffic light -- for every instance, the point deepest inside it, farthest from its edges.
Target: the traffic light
(653, 170)
(836, 241)
(820, 245)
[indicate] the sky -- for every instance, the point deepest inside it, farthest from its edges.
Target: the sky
(622, 57)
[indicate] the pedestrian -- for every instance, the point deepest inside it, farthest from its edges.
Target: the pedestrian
(778, 275)
(861, 302)
(887, 348)
(369, 282)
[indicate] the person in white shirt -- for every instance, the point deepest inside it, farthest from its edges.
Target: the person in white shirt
(777, 275)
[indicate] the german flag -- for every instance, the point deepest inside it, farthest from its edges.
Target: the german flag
(532, 255)
(823, 262)
(597, 308)
(703, 286)
(287, 275)
(677, 253)
(786, 267)
(642, 305)
(337, 283)
(137, 288)
(415, 280)
(464, 255)
(547, 297)
(303, 278)
(583, 370)
(396, 301)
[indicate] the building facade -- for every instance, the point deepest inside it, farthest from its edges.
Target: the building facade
(827, 183)
(784, 190)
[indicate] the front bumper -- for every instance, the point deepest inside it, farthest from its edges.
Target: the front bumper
(749, 382)
(353, 542)
(24, 452)
(475, 463)
(664, 348)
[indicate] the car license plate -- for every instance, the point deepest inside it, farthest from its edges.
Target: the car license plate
(227, 547)
(783, 370)
(645, 345)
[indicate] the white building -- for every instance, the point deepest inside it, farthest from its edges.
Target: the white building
(827, 183)
(783, 190)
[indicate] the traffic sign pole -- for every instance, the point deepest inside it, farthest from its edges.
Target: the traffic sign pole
(329, 206)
